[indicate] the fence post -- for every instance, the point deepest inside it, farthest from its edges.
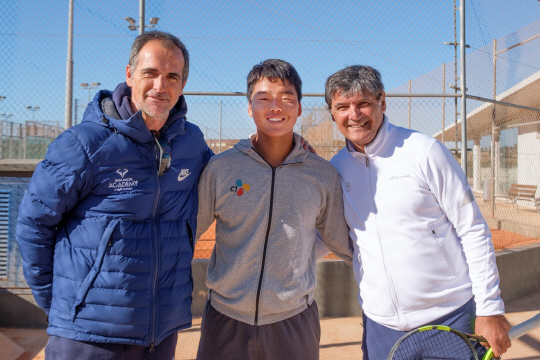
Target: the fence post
(463, 77)
(220, 106)
(1, 139)
(443, 100)
(410, 87)
(477, 157)
(493, 130)
(24, 138)
(11, 140)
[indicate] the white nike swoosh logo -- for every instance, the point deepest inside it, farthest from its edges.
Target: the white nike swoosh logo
(182, 177)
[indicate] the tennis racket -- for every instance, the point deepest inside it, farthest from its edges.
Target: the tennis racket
(439, 342)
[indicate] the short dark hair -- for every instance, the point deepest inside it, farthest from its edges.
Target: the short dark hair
(167, 40)
(356, 79)
(274, 70)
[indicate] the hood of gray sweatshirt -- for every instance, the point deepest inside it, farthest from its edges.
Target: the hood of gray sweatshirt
(262, 268)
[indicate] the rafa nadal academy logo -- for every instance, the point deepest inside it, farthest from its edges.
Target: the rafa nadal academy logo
(240, 188)
(123, 183)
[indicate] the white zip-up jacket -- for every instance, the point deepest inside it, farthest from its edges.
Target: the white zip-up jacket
(422, 247)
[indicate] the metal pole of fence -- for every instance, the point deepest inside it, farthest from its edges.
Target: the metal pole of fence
(11, 141)
(493, 129)
(410, 88)
(76, 111)
(1, 139)
(25, 139)
(443, 100)
(463, 87)
(220, 126)
(455, 80)
(69, 70)
(19, 142)
(141, 17)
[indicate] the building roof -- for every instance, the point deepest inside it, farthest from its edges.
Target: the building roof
(525, 93)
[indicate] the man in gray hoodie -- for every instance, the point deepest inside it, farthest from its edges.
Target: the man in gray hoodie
(269, 197)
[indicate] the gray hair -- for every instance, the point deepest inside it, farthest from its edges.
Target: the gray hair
(356, 79)
(167, 40)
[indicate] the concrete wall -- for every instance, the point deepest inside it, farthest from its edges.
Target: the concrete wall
(336, 294)
(18, 309)
(519, 271)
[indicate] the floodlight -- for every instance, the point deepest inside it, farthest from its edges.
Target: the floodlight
(154, 20)
(130, 20)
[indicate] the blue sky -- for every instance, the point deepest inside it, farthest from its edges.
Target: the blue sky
(403, 39)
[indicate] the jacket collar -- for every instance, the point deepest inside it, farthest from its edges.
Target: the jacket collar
(297, 155)
(132, 125)
(379, 143)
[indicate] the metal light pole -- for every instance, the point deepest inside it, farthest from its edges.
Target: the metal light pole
(33, 109)
(76, 111)
(89, 87)
(132, 23)
(462, 47)
(141, 17)
(69, 70)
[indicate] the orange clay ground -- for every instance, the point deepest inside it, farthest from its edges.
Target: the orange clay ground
(501, 240)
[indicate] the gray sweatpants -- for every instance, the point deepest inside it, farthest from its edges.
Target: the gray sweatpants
(295, 338)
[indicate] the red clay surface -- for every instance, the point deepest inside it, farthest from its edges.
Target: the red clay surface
(501, 240)
(505, 239)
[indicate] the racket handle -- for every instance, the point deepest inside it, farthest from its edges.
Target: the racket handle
(525, 327)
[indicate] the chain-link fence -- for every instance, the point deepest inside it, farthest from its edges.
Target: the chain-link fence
(414, 45)
(504, 169)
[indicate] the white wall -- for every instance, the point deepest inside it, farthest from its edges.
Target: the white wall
(529, 159)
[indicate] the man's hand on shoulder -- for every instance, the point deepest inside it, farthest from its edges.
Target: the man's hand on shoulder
(495, 330)
(306, 145)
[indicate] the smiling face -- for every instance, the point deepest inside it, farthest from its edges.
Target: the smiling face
(156, 83)
(274, 107)
(358, 117)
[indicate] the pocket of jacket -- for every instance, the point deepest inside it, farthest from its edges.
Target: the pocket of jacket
(441, 245)
(191, 237)
(89, 279)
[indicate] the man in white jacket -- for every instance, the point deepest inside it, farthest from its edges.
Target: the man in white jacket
(423, 251)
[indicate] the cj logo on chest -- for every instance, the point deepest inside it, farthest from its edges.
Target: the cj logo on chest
(240, 188)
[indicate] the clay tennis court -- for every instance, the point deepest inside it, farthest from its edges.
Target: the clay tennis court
(501, 240)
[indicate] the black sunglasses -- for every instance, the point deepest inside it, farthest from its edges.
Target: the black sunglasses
(163, 158)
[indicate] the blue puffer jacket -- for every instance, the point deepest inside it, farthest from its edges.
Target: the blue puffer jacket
(106, 243)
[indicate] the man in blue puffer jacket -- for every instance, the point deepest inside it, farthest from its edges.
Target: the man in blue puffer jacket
(106, 227)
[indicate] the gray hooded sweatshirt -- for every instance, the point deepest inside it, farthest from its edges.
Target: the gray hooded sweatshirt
(262, 269)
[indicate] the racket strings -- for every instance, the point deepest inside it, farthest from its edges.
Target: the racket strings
(433, 345)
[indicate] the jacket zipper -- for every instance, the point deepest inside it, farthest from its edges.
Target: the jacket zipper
(259, 286)
(265, 245)
(395, 302)
(155, 243)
